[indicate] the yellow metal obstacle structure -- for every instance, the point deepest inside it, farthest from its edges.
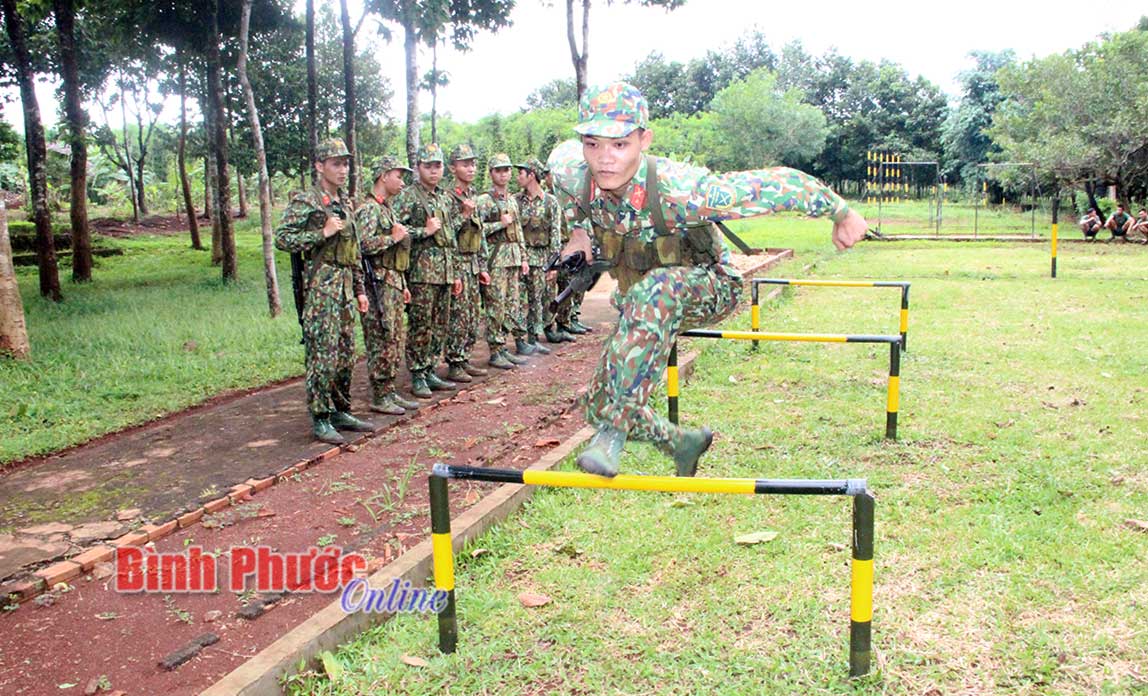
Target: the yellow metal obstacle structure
(755, 307)
(861, 594)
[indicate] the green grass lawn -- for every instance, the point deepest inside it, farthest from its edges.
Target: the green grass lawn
(156, 331)
(919, 217)
(1005, 559)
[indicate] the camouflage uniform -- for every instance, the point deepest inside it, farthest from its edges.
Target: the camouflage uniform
(507, 251)
(466, 309)
(384, 326)
(332, 280)
(434, 267)
(700, 288)
(542, 229)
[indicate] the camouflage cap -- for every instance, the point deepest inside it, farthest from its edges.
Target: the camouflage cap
(332, 147)
(430, 152)
(462, 151)
(499, 160)
(535, 166)
(385, 164)
(613, 111)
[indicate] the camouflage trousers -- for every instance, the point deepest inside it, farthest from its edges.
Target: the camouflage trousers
(533, 296)
(502, 300)
(665, 302)
(465, 313)
(385, 334)
(328, 349)
(429, 311)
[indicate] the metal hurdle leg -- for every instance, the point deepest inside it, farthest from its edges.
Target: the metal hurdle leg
(893, 398)
(861, 596)
(443, 556)
(672, 386)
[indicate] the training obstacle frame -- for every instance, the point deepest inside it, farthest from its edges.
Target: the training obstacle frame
(861, 575)
(755, 307)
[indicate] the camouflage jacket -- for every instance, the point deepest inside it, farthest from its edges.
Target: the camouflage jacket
(332, 264)
(373, 221)
(433, 257)
(470, 263)
(690, 194)
(503, 254)
(542, 211)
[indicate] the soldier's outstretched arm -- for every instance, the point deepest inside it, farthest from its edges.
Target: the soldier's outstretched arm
(755, 192)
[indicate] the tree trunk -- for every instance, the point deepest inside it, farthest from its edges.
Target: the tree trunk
(211, 183)
(312, 94)
(13, 331)
(410, 47)
(142, 144)
(222, 181)
(269, 275)
(208, 195)
(37, 153)
(181, 158)
(65, 12)
(349, 95)
(128, 154)
(434, 93)
(580, 60)
(241, 190)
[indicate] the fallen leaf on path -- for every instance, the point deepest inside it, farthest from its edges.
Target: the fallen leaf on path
(470, 442)
(533, 599)
(495, 402)
(1136, 525)
(414, 661)
(755, 538)
(472, 496)
(547, 442)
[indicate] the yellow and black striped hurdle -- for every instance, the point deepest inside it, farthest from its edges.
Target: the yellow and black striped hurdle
(861, 579)
(755, 309)
(893, 389)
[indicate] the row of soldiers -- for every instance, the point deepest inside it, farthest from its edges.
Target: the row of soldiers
(443, 255)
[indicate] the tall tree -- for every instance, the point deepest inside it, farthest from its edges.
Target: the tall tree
(14, 25)
(181, 156)
(312, 92)
(269, 275)
(229, 263)
(580, 57)
(349, 94)
(965, 140)
(65, 14)
(13, 331)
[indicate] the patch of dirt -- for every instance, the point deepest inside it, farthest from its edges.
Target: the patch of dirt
(168, 225)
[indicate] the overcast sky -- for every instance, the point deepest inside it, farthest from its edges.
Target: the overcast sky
(926, 39)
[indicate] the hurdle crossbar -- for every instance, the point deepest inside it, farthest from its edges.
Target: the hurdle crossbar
(861, 576)
(893, 387)
(755, 310)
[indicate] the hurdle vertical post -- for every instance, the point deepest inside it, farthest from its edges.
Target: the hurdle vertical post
(905, 317)
(442, 552)
(1055, 227)
(672, 388)
(754, 311)
(861, 595)
(893, 397)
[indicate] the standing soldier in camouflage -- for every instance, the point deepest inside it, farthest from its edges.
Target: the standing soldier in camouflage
(387, 248)
(507, 253)
(426, 211)
(652, 219)
(542, 230)
(466, 310)
(318, 225)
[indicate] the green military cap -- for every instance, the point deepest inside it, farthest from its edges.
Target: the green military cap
(332, 147)
(499, 160)
(535, 166)
(430, 152)
(462, 151)
(385, 164)
(613, 111)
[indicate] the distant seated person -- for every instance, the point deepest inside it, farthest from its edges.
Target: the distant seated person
(1091, 224)
(1140, 225)
(1119, 224)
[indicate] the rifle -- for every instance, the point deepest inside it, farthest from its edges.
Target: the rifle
(582, 275)
(370, 280)
(298, 288)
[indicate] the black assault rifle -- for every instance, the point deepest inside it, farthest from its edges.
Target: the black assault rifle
(582, 275)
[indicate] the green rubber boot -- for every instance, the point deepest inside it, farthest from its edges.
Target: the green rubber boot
(458, 373)
(582, 328)
(556, 335)
(386, 405)
(345, 421)
(601, 456)
(538, 347)
(323, 431)
(403, 403)
(689, 449)
(522, 347)
(475, 370)
(419, 386)
(438, 383)
(513, 358)
(498, 359)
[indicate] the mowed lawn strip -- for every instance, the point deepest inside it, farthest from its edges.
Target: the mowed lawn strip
(1007, 558)
(155, 332)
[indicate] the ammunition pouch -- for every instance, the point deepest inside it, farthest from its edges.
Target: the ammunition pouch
(398, 257)
(632, 257)
(536, 234)
(470, 238)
